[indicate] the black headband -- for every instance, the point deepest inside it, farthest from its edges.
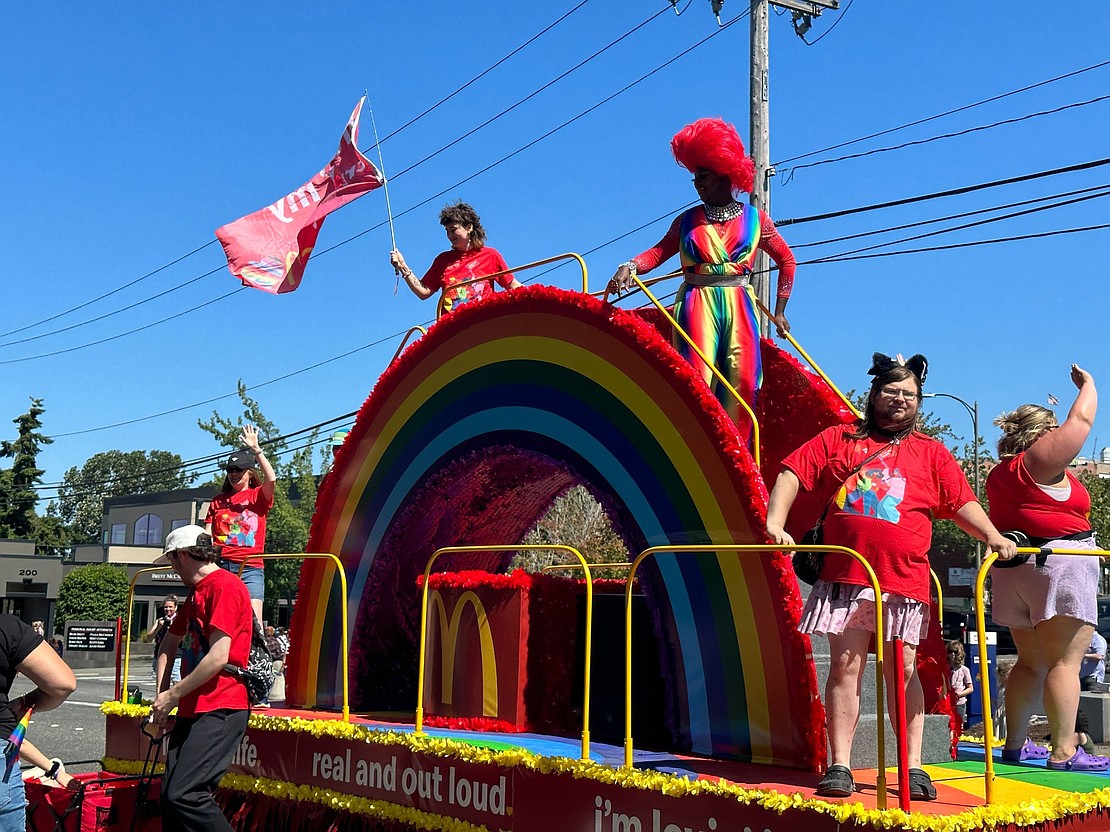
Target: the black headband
(883, 364)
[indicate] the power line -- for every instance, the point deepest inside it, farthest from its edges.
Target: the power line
(485, 71)
(967, 189)
(106, 315)
(944, 114)
(124, 334)
(968, 131)
(836, 23)
(935, 220)
(533, 94)
(843, 259)
(975, 224)
(57, 315)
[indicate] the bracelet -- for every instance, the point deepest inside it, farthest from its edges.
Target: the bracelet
(632, 267)
(53, 773)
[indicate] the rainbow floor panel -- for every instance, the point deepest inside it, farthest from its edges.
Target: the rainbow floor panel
(470, 781)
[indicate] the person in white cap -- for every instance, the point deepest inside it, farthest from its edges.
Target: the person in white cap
(212, 629)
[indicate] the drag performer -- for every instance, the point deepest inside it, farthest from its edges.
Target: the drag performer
(468, 258)
(912, 478)
(717, 241)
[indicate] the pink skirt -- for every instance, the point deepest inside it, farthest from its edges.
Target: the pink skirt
(834, 608)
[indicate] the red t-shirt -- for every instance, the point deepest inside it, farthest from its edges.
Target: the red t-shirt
(238, 521)
(1017, 503)
(452, 266)
(219, 601)
(884, 511)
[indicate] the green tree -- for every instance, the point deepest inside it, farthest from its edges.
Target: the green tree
(97, 592)
(17, 484)
(80, 502)
(1099, 490)
(574, 519)
(288, 522)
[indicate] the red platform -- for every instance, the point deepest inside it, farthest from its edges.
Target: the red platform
(385, 777)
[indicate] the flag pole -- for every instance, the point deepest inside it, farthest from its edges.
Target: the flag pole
(385, 185)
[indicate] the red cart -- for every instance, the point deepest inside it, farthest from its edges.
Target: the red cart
(102, 802)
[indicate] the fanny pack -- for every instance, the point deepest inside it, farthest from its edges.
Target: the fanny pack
(1025, 541)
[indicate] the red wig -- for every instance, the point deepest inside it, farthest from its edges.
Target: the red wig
(714, 144)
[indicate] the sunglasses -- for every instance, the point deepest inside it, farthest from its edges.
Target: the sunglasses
(236, 470)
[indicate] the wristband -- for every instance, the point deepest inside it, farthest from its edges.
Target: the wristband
(54, 769)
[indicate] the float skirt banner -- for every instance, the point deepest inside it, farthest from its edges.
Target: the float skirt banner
(269, 249)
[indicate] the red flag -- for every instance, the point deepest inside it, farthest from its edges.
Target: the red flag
(269, 249)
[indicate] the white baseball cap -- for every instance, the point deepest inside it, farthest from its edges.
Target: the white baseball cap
(182, 538)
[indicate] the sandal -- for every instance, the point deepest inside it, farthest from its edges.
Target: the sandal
(1080, 761)
(921, 785)
(837, 782)
(1028, 751)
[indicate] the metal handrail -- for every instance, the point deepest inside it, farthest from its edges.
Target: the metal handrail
(570, 255)
(793, 342)
(813, 364)
(127, 632)
(405, 340)
(345, 649)
(940, 601)
(451, 550)
(981, 631)
(880, 783)
(557, 566)
(712, 367)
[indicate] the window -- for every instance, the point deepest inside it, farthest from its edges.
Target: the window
(119, 534)
(177, 524)
(148, 530)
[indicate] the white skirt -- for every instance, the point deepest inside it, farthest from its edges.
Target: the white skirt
(834, 608)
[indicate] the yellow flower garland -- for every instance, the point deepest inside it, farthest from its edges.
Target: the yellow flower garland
(982, 817)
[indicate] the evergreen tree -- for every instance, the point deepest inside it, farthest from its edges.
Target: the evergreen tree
(17, 484)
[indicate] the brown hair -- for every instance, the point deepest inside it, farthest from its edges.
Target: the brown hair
(255, 477)
(959, 648)
(895, 373)
(463, 213)
(1022, 427)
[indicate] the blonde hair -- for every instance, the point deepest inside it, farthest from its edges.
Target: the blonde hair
(1022, 427)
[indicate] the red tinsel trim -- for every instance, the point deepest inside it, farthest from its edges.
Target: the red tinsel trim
(475, 723)
(517, 579)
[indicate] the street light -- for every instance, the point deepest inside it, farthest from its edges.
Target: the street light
(972, 411)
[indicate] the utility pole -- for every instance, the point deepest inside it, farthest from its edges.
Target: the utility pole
(760, 140)
(760, 148)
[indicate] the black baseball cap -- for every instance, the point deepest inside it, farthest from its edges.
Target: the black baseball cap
(241, 458)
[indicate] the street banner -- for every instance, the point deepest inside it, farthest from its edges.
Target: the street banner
(269, 249)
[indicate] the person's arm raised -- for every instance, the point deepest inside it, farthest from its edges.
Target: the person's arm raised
(1048, 457)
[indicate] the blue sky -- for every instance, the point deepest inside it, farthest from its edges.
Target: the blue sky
(131, 133)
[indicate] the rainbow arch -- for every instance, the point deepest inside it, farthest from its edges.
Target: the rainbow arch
(469, 436)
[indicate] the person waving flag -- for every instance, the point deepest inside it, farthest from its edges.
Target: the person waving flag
(269, 249)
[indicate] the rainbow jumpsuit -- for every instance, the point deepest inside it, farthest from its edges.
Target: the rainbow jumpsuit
(716, 304)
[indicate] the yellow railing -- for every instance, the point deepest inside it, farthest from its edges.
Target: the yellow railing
(345, 650)
(127, 632)
(880, 783)
(712, 367)
(793, 342)
(940, 601)
(453, 550)
(405, 340)
(554, 567)
(343, 584)
(981, 629)
(570, 255)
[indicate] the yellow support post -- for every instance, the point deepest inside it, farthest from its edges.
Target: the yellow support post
(712, 367)
(127, 631)
(880, 783)
(570, 255)
(510, 547)
(344, 656)
(981, 631)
